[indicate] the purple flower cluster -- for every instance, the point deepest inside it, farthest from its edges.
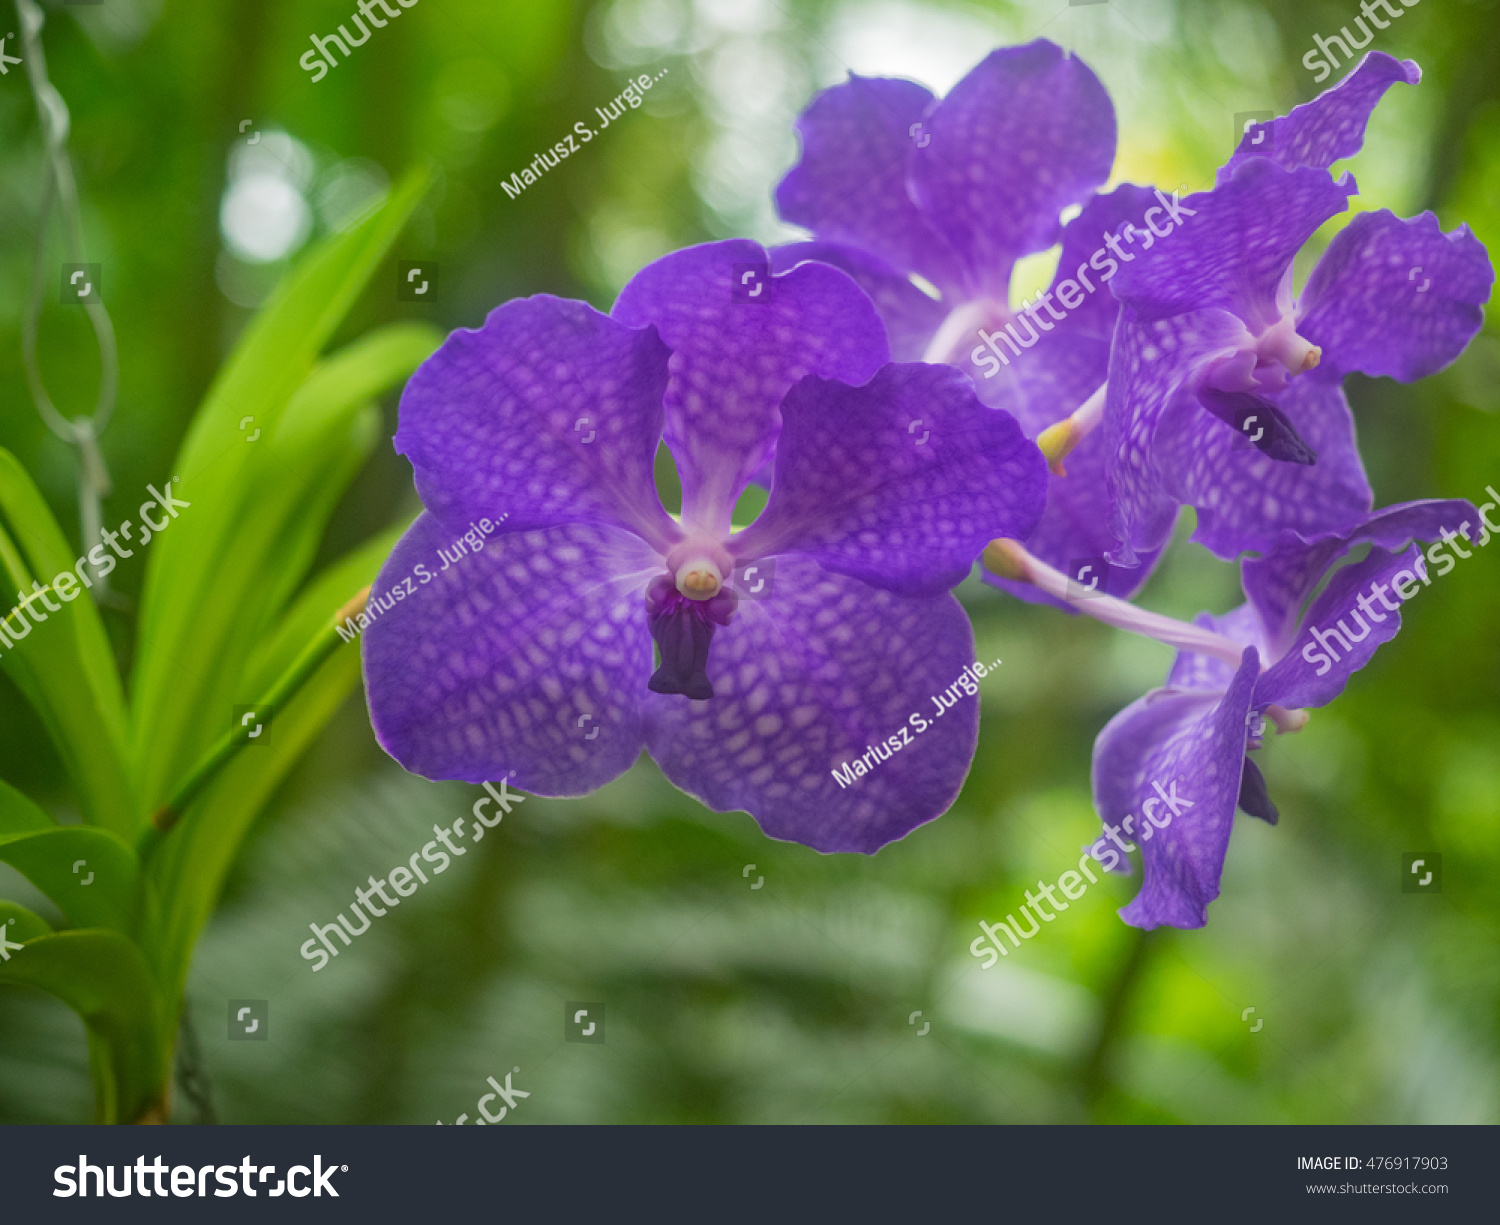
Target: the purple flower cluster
(1170, 364)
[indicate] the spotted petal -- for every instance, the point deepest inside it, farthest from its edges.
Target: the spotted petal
(1150, 369)
(850, 185)
(1395, 297)
(1279, 583)
(1235, 244)
(1025, 134)
(805, 682)
(1189, 745)
(1242, 495)
(899, 483)
(911, 316)
(736, 352)
(1339, 633)
(1329, 128)
(550, 413)
(526, 660)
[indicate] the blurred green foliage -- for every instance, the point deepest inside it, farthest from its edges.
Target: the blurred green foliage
(794, 1001)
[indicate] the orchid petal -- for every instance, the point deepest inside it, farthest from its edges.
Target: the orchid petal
(806, 681)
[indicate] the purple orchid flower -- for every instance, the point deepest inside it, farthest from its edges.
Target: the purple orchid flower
(1224, 389)
(897, 185)
(788, 648)
(1170, 769)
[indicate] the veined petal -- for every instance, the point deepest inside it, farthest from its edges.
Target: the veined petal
(550, 413)
(810, 679)
(1235, 245)
(1067, 332)
(526, 660)
(1395, 297)
(735, 354)
(1047, 382)
(1278, 583)
(850, 185)
(911, 317)
(1150, 368)
(1332, 126)
(1026, 133)
(1190, 746)
(899, 483)
(1340, 633)
(1244, 497)
(1084, 239)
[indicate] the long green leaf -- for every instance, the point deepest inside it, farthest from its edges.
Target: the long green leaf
(270, 362)
(90, 874)
(52, 666)
(218, 582)
(331, 589)
(102, 976)
(47, 550)
(190, 867)
(271, 547)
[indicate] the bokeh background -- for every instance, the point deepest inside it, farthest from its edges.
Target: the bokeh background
(794, 1001)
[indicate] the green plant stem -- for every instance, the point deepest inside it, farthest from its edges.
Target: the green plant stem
(1094, 1075)
(228, 745)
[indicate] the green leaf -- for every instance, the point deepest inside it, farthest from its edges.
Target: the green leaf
(21, 925)
(189, 867)
(91, 875)
(327, 593)
(49, 554)
(56, 670)
(18, 815)
(271, 546)
(102, 976)
(218, 581)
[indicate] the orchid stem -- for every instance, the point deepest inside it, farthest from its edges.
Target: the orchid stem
(1009, 559)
